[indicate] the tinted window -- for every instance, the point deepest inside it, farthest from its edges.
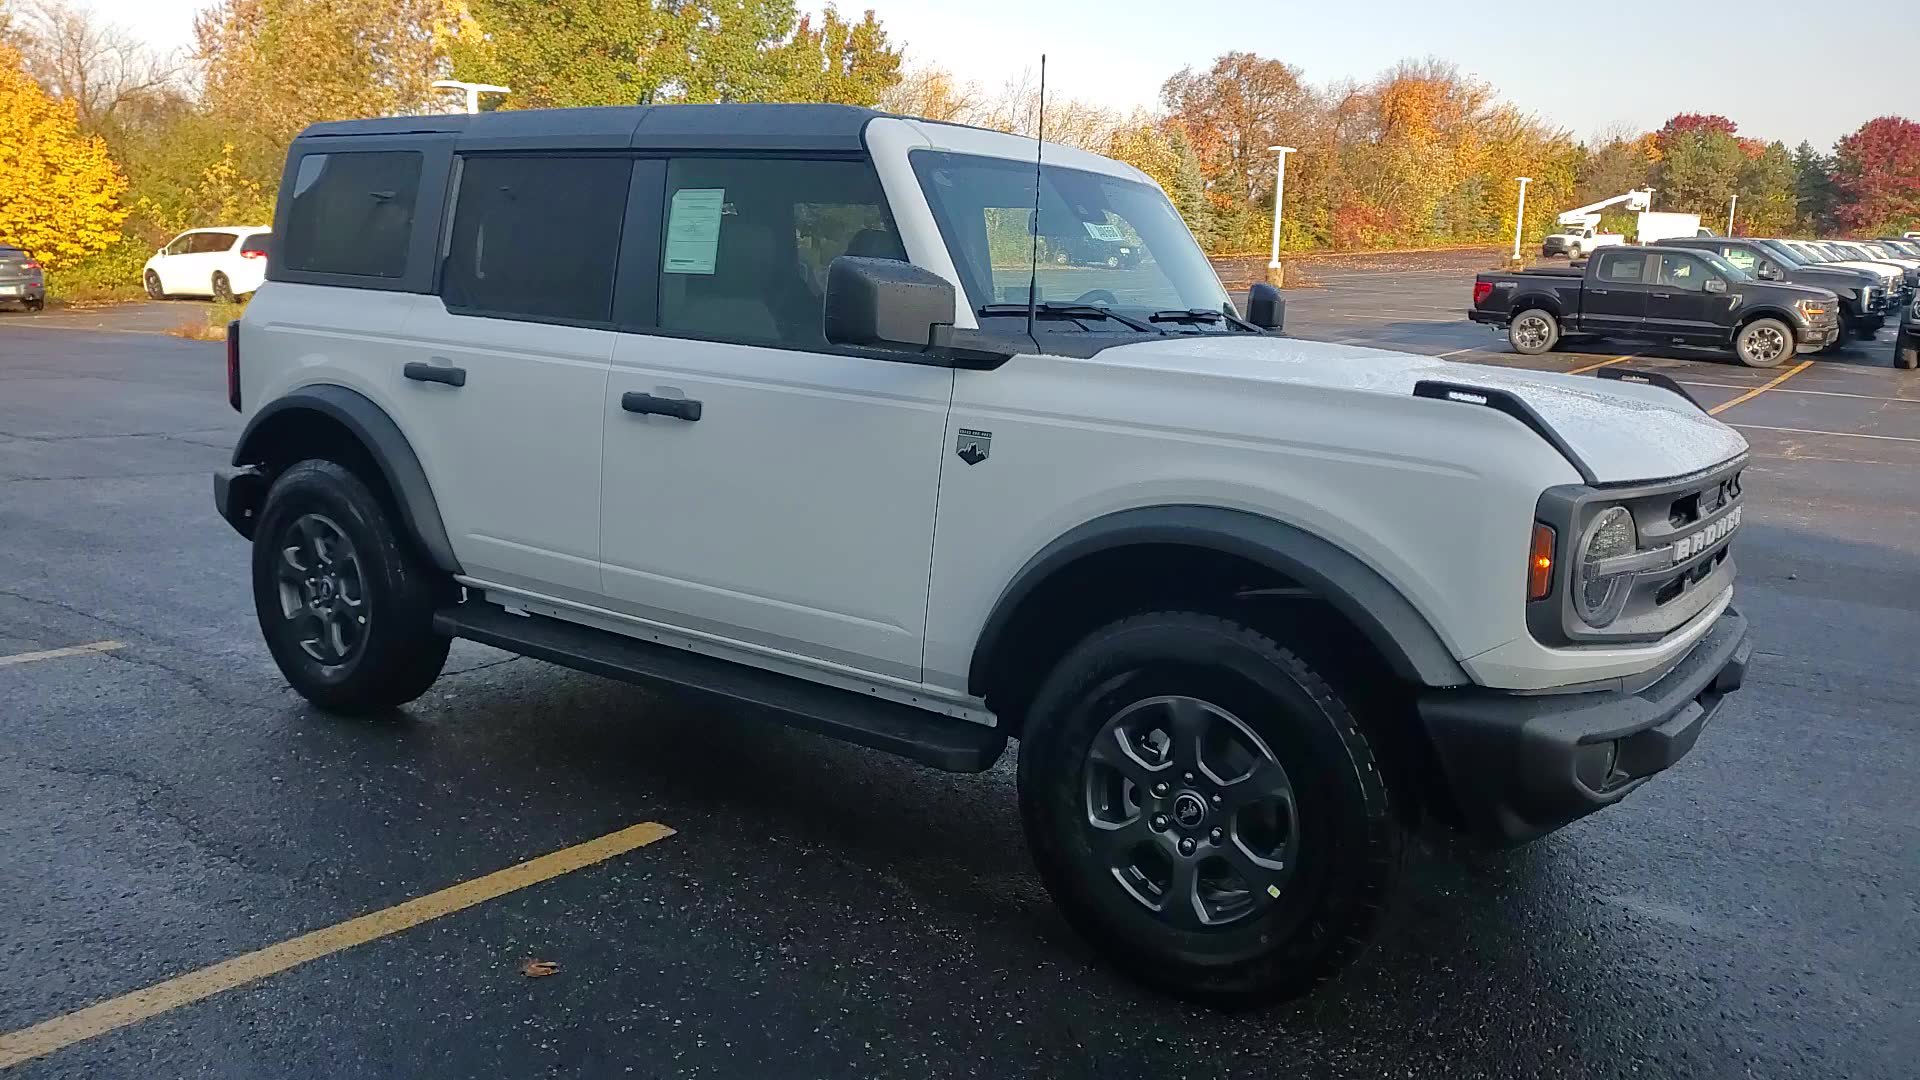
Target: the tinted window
(1623, 267)
(352, 213)
(212, 243)
(1681, 272)
(260, 242)
(536, 237)
(747, 243)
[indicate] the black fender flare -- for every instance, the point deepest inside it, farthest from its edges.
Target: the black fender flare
(384, 443)
(1388, 620)
(1795, 321)
(1546, 302)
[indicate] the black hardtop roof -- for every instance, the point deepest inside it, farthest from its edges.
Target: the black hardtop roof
(664, 127)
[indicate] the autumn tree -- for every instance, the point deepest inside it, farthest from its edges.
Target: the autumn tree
(1769, 203)
(1876, 175)
(933, 93)
(1233, 111)
(1699, 171)
(99, 67)
(1688, 124)
(557, 53)
(59, 191)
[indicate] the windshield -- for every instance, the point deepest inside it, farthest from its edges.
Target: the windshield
(1783, 252)
(1104, 241)
(1726, 269)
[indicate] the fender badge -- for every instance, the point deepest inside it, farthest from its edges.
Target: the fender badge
(973, 446)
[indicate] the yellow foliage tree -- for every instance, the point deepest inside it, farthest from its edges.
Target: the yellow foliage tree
(59, 190)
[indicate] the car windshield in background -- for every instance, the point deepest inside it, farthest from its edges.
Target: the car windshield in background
(1784, 252)
(1105, 242)
(1719, 263)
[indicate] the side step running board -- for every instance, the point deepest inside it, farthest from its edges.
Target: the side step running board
(929, 738)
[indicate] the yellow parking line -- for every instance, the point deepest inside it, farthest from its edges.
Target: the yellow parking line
(1601, 364)
(94, 1020)
(1758, 390)
(55, 654)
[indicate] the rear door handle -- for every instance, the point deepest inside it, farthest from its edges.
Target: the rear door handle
(440, 373)
(1598, 292)
(680, 408)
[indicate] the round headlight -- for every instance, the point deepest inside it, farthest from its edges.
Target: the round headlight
(1599, 597)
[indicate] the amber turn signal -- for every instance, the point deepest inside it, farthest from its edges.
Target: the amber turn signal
(1540, 563)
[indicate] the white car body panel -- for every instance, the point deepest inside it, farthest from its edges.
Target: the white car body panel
(818, 521)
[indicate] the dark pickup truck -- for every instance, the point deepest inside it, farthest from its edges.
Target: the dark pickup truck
(1658, 294)
(1865, 302)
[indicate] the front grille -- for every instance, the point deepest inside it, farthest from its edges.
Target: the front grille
(1682, 561)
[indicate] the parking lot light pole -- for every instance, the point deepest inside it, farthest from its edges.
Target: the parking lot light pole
(473, 90)
(1520, 215)
(1735, 202)
(1279, 192)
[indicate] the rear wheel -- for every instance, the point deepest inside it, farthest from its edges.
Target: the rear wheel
(1764, 343)
(1205, 809)
(37, 304)
(1533, 332)
(1907, 356)
(345, 606)
(222, 288)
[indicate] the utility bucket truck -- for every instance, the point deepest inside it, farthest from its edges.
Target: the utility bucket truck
(1580, 234)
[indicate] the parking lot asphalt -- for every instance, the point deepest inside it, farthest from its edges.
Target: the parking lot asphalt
(168, 807)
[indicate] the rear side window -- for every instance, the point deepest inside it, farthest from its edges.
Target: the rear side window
(1624, 268)
(748, 241)
(536, 237)
(212, 243)
(259, 243)
(352, 213)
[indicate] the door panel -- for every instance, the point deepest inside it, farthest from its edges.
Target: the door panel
(513, 454)
(796, 512)
(1614, 298)
(1678, 304)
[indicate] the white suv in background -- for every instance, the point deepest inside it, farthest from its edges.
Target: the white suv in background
(222, 263)
(750, 400)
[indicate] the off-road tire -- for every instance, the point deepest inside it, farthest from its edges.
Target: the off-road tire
(398, 654)
(1533, 331)
(1764, 343)
(1351, 841)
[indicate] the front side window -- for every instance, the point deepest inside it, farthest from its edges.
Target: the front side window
(1623, 268)
(352, 213)
(536, 237)
(1682, 272)
(182, 244)
(1104, 241)
(1742, 258)
(747, 242)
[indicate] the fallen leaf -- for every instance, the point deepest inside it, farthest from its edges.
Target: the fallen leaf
(539, 969)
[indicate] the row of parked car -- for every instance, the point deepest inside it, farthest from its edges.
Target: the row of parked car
(1766, 299)
(222, 263)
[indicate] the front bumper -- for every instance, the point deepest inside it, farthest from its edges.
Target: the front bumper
(1521, 765)
(1816, 335)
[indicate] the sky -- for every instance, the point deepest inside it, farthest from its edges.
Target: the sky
(1775, 71)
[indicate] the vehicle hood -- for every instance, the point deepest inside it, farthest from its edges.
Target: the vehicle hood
(1623, 431)
(1838, 278)
(1784, 292)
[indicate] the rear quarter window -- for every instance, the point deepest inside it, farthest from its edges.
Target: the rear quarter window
(351, 213)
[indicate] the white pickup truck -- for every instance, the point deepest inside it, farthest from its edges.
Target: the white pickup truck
(1578, 241)
(752, 400)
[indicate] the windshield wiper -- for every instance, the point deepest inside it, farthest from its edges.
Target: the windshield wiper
(1202, 315)
(1054, 309)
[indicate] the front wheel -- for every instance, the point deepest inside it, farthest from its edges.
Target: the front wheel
(1203, 807)
(1764, 343)
(345, 606)
(1907, 357)
(154, 289)
(1533, 332)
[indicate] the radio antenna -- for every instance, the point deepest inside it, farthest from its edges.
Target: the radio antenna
(1033, 227)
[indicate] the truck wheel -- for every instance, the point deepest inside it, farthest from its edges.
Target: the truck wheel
(1764, 343)
(1533, 332)
(1840, 340)
(1204, 809)
(346, 609)
(1907, 357)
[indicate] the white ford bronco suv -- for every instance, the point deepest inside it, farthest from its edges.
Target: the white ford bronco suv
(751, 399)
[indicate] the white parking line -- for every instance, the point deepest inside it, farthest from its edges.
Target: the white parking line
(1819, 393)
(55, 654)
(1812, 431)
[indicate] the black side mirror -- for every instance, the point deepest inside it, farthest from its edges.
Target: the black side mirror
(885, 303)
(1265, 309)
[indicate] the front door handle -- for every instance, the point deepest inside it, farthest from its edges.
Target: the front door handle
(1663, 296)
(681, 408)
(1597, 292)
(440, 373)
